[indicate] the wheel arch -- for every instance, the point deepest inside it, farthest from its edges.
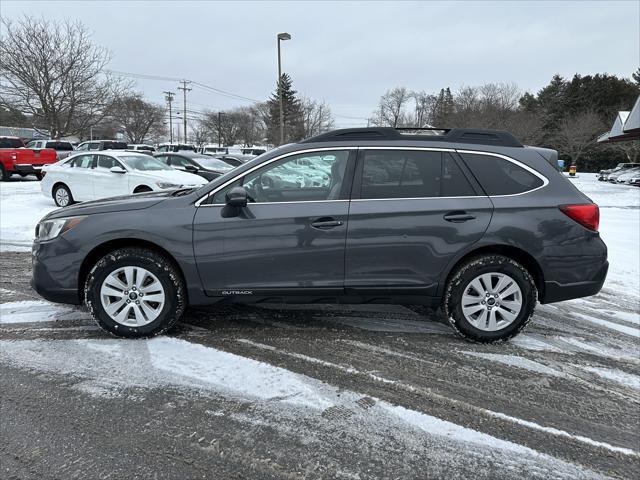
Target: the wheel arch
(142, 188)
(515, 253)
(104, 248)
(59, 182)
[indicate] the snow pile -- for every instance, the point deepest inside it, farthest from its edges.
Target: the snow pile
(22, 205)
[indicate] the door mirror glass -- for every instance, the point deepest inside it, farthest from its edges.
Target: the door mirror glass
(236, 197)
(191, 168)
(117, 170)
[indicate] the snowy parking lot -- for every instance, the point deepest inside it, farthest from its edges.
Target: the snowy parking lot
(321, 391)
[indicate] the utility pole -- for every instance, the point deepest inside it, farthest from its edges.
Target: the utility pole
(169, 98)
(220, 128)
(184, 105)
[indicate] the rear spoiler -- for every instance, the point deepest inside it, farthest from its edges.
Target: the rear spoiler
(548, 154)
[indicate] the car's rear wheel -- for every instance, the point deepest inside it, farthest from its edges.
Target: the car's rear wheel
(135, 292)
(489, 298)
(62, 195)
(4, 175)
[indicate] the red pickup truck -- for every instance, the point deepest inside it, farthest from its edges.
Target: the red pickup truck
(15, 158)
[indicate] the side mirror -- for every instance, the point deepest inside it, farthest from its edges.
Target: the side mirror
(117, 170)
(191, 168)
(236, 197)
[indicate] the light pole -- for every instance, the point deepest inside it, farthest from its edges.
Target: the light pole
(220, 128)
(281, 36)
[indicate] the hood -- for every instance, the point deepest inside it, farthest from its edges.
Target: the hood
(137, 201)
(173, 176)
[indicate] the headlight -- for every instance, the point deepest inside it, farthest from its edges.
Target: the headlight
(167, 185)
(49, 229)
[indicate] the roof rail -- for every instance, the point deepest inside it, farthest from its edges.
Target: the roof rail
(453, 135)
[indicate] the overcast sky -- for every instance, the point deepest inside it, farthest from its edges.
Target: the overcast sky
(348, 54)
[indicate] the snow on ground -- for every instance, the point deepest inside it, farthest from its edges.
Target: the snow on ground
(31, 311)
(22, 205)
(110, 366)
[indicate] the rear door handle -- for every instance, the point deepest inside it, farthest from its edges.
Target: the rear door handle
(326, 223)
(458, 217)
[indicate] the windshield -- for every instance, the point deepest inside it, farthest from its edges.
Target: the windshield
(214, 163)
(11, 143)
(143, 163)
(109, 145)
(65, 146)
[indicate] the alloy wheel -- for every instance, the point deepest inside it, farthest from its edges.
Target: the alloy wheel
(132, 296)
(491, 301)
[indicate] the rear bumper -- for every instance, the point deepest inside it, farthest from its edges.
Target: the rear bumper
(27, 168)
(556, 292)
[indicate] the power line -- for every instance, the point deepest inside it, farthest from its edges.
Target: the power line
(202, 86)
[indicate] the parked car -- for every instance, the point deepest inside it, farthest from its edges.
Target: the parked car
(141, 148)
(480, 224)
(635, 181)
(63, 148)
(626, 175)
(253, 151)
(603, 175)
(90, 176)
(235, 160)
(16, 158)
(206, 166)
(101, 145)
(175, 147)
(213, 150)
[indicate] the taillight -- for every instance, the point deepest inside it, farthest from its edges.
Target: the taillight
(587, 215)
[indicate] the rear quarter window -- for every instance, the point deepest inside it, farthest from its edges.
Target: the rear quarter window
(499, 176)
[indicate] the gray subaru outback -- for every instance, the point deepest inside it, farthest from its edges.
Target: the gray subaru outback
(469, 220)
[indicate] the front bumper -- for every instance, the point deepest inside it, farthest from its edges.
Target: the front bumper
(54, 274)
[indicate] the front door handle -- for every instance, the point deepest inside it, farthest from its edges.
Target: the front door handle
(458, 216)
(325, 223)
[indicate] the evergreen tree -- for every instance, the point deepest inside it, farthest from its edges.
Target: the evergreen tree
(292, 113)
(636, 76)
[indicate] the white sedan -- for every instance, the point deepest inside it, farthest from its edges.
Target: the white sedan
(89, 176)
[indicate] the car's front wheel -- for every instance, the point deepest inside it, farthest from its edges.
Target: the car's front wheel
(135, 292)
(489, 298)
(62, 195)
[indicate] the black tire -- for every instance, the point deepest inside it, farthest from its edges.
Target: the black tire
(4, 175)
(142, 189)
(56, 200)
(459, 282)
(165, 271)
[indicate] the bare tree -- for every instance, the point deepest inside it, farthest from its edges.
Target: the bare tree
(631, 149)
(390, 112)
(251, 128)
(316, 117)
(138, 118)
(52, 72)
(425, 104)
(577, 133)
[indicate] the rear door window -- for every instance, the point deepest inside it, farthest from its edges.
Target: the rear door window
(82, 161)
(400, 174)
(499, 176)
(454, 181)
